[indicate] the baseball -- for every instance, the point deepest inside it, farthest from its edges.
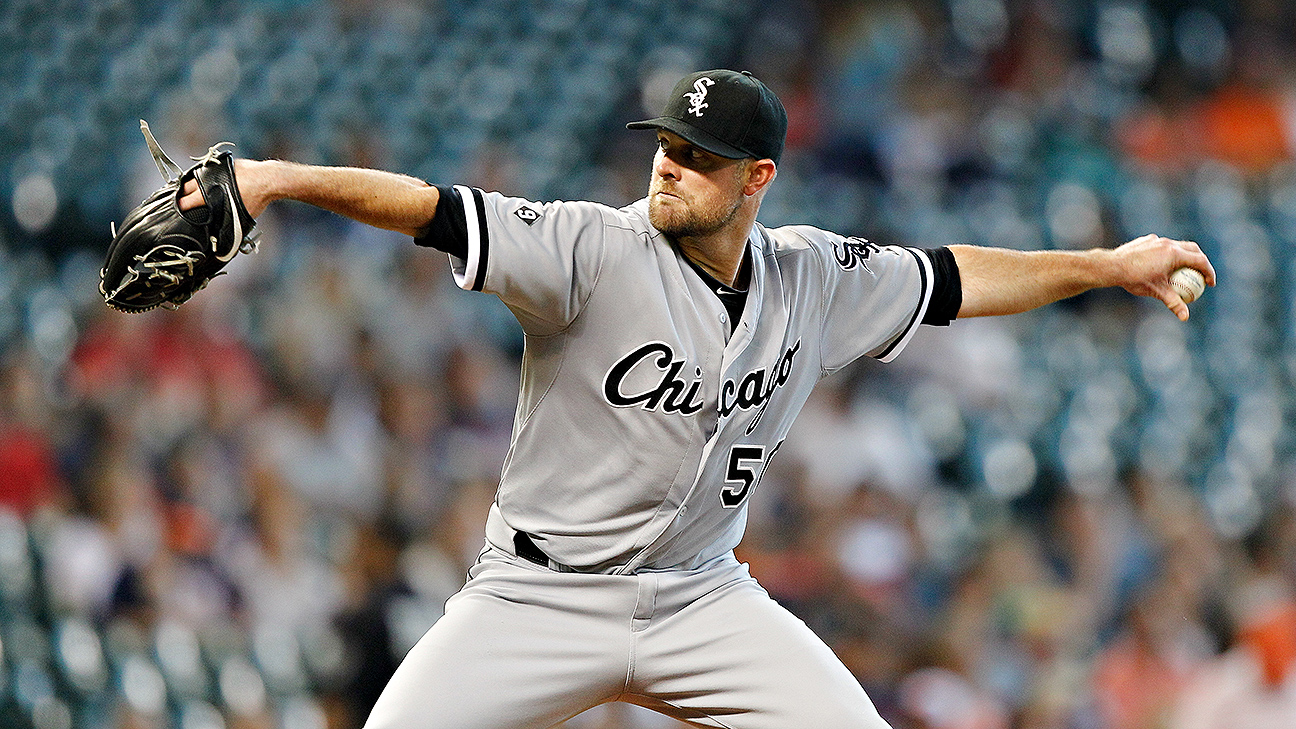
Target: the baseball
(1188, 283)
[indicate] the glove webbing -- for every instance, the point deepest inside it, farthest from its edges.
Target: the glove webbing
(170, 170)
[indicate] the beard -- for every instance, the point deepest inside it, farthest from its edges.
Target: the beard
(678, 218)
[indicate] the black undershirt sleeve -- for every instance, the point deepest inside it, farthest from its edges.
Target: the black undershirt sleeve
(947, 288)
(448, 231)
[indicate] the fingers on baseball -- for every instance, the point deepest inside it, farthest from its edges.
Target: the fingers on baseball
(1172, 254)
(1190, 254)
(1175, 303)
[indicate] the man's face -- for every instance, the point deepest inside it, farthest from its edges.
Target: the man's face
(692, 191)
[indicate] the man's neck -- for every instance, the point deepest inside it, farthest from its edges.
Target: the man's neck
(720, 255)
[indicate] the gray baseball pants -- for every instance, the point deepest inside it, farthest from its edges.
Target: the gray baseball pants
(525, 647)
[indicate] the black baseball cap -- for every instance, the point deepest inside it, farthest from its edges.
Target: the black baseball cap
(725, 112)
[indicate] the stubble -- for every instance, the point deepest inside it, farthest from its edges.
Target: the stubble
(679, 217)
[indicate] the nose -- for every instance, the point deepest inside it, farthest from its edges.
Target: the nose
(664, 166)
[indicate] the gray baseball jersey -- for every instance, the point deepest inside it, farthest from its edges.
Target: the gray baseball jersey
(645, 417)
(645, 421)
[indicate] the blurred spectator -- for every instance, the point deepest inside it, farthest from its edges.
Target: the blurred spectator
(843, 440)
(1246, 128)
(30, 475)
(1252, 685)
(1141, 674)
(275, 561)
(366, 622)
(876, 552)
(937, 698)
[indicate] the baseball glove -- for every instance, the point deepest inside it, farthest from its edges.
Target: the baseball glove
(162, 255)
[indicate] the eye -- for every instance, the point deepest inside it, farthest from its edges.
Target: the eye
(692, 156)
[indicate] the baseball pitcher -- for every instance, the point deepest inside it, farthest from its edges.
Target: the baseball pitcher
(669, 346)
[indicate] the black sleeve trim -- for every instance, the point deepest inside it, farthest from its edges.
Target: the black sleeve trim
(482, 242)
(448, 231)
(947, 288)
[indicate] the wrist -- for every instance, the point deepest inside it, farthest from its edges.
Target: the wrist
(279, 180)
(1102, 269)
(260, 182)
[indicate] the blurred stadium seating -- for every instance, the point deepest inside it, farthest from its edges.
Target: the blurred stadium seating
(241, 514)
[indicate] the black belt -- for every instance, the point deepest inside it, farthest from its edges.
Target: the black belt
(526, 549)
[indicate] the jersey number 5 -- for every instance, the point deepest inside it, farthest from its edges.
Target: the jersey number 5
(746, 466)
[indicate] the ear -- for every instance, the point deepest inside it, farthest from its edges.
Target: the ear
(760, 173)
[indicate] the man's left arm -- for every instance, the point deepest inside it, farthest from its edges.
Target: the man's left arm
(998, 281)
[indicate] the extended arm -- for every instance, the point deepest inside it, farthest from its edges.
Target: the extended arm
(1001, 281)
(381, 199)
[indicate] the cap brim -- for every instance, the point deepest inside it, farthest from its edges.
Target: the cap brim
(695, 136)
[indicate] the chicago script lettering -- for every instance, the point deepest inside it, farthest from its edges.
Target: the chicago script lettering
(754, 390)
(671, 393)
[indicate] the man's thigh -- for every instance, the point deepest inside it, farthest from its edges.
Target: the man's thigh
(512, 652)
(737, 659)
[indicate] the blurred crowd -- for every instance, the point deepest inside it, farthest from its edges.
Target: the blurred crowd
(241, 514)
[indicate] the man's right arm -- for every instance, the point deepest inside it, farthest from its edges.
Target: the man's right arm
(999, 281)
(381, 199)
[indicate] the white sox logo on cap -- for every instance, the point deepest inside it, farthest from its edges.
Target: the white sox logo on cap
(743, 116)
(697, 99)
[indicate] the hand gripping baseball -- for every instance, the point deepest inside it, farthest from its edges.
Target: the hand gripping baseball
(1147, 263)
(162, 254)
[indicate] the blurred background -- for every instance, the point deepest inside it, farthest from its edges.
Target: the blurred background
(240, 515)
